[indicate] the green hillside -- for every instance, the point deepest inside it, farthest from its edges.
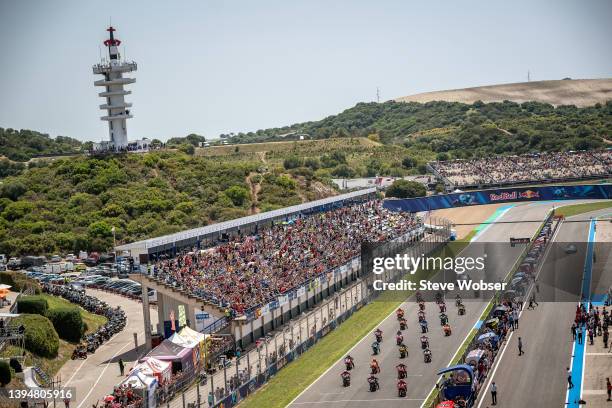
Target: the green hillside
(460, 130)
(72, 204)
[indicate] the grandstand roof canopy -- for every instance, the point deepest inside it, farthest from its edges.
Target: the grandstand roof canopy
(232, 224)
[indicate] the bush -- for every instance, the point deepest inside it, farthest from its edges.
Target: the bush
(406, 189)
(18, 281)
(40, 336)
(5, 373)
(16, 365)
(292, 162)
(67, 322)
(32, 305)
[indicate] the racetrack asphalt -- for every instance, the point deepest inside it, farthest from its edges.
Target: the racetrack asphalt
(538, 378)
(96, 376)
(327, 390)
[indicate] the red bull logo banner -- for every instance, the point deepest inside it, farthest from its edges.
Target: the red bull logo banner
(500, 195)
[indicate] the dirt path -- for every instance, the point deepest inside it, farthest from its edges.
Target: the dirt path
(255, 188)
(262, 157)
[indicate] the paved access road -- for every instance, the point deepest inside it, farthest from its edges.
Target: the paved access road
(96, 376)
(538, 378)
(328, 390)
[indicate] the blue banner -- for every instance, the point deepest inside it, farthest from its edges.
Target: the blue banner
(501, 195)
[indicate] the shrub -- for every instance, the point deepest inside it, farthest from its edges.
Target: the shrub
(18, 281)
(40, 336)
(5, 373)
(406, 189)
(292, 162)
(67, 322)
(32, 305)
(16, 365)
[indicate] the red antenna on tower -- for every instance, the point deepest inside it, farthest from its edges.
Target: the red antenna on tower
(112, 40)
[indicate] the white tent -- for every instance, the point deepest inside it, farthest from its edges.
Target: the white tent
(153, 367)
(183, 341)
(190, 334)
(139, 379)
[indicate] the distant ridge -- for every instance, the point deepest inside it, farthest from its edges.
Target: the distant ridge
(579, 92)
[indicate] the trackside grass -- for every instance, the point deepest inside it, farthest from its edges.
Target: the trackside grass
(300, 373)
(575, 209)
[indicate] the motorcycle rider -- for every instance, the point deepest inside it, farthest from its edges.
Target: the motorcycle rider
(400, 313)
(447, 329)
(375, 348)
(401, 370)
(399, 339)
(403, 350)
(378, 333)
(442, 306)
(458, 300)
(373, 381)
(374, 366)
(427, 355)
(461, 310)
(346, 378)
(424, 342)
(403, 324)
(443, 319)
(349, 362)
(402, 387)
(424, 327)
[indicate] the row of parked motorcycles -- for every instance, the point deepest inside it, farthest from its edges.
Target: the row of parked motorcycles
(90, 342)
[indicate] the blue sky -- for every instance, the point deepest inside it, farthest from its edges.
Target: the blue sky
(214, 67)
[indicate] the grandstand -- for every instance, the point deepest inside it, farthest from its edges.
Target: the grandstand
(523, 169)
(255, 273)
(203, 237)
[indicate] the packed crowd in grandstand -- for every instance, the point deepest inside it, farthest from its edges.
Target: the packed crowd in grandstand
(524, 168)
(251, 270)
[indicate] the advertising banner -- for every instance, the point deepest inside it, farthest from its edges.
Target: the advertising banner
(502, 195)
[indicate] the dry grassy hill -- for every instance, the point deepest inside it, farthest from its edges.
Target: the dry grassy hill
(579, 92)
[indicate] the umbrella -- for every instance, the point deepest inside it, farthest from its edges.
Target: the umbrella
(486, 336)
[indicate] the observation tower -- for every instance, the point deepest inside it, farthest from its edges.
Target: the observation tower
(117, 109)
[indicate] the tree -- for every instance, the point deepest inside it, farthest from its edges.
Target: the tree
(408, 162)
(442, 157)
(187, 148)
(406, 189)
(237, 194)
(292, 162)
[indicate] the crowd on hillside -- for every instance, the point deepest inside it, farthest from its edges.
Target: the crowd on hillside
(531, 167)
(251, 270)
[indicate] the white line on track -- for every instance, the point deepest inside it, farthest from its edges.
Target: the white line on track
(341, 358)
(81, 365)
(354, 400)
(498, 360)
(104, 370)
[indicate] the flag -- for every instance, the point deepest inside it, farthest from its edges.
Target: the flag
(172, 325)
